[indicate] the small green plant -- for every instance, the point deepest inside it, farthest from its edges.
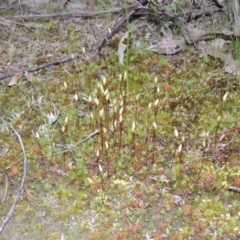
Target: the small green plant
(236, 47)
(162, 62)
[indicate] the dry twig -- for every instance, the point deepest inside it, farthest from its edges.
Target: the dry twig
(70, 148)
(234, 189)
(81, 14)
(48, 64)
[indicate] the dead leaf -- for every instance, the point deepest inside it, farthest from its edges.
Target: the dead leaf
(193, 35)
(227, 58)
(15, 79)
(30, 196)
(178, 200)
(28, 76)
(232, 69)
(227, 32)
(231, 65)
(218, 43)
(167, 46)
(121, 48)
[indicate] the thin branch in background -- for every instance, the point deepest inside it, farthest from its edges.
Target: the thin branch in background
(70, 148)
(21, 188)
(86, 138)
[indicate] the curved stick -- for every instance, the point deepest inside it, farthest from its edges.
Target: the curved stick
(20, 190)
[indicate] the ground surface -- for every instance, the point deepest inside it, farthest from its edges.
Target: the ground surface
(167, 148)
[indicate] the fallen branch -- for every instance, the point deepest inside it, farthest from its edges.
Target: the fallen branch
(193, 14)
(132, 10)
(20, 190)
(234, 189)
(83, 14)
(86, 138)
(44, 65)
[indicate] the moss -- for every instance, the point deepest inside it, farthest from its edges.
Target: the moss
(93, 184)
